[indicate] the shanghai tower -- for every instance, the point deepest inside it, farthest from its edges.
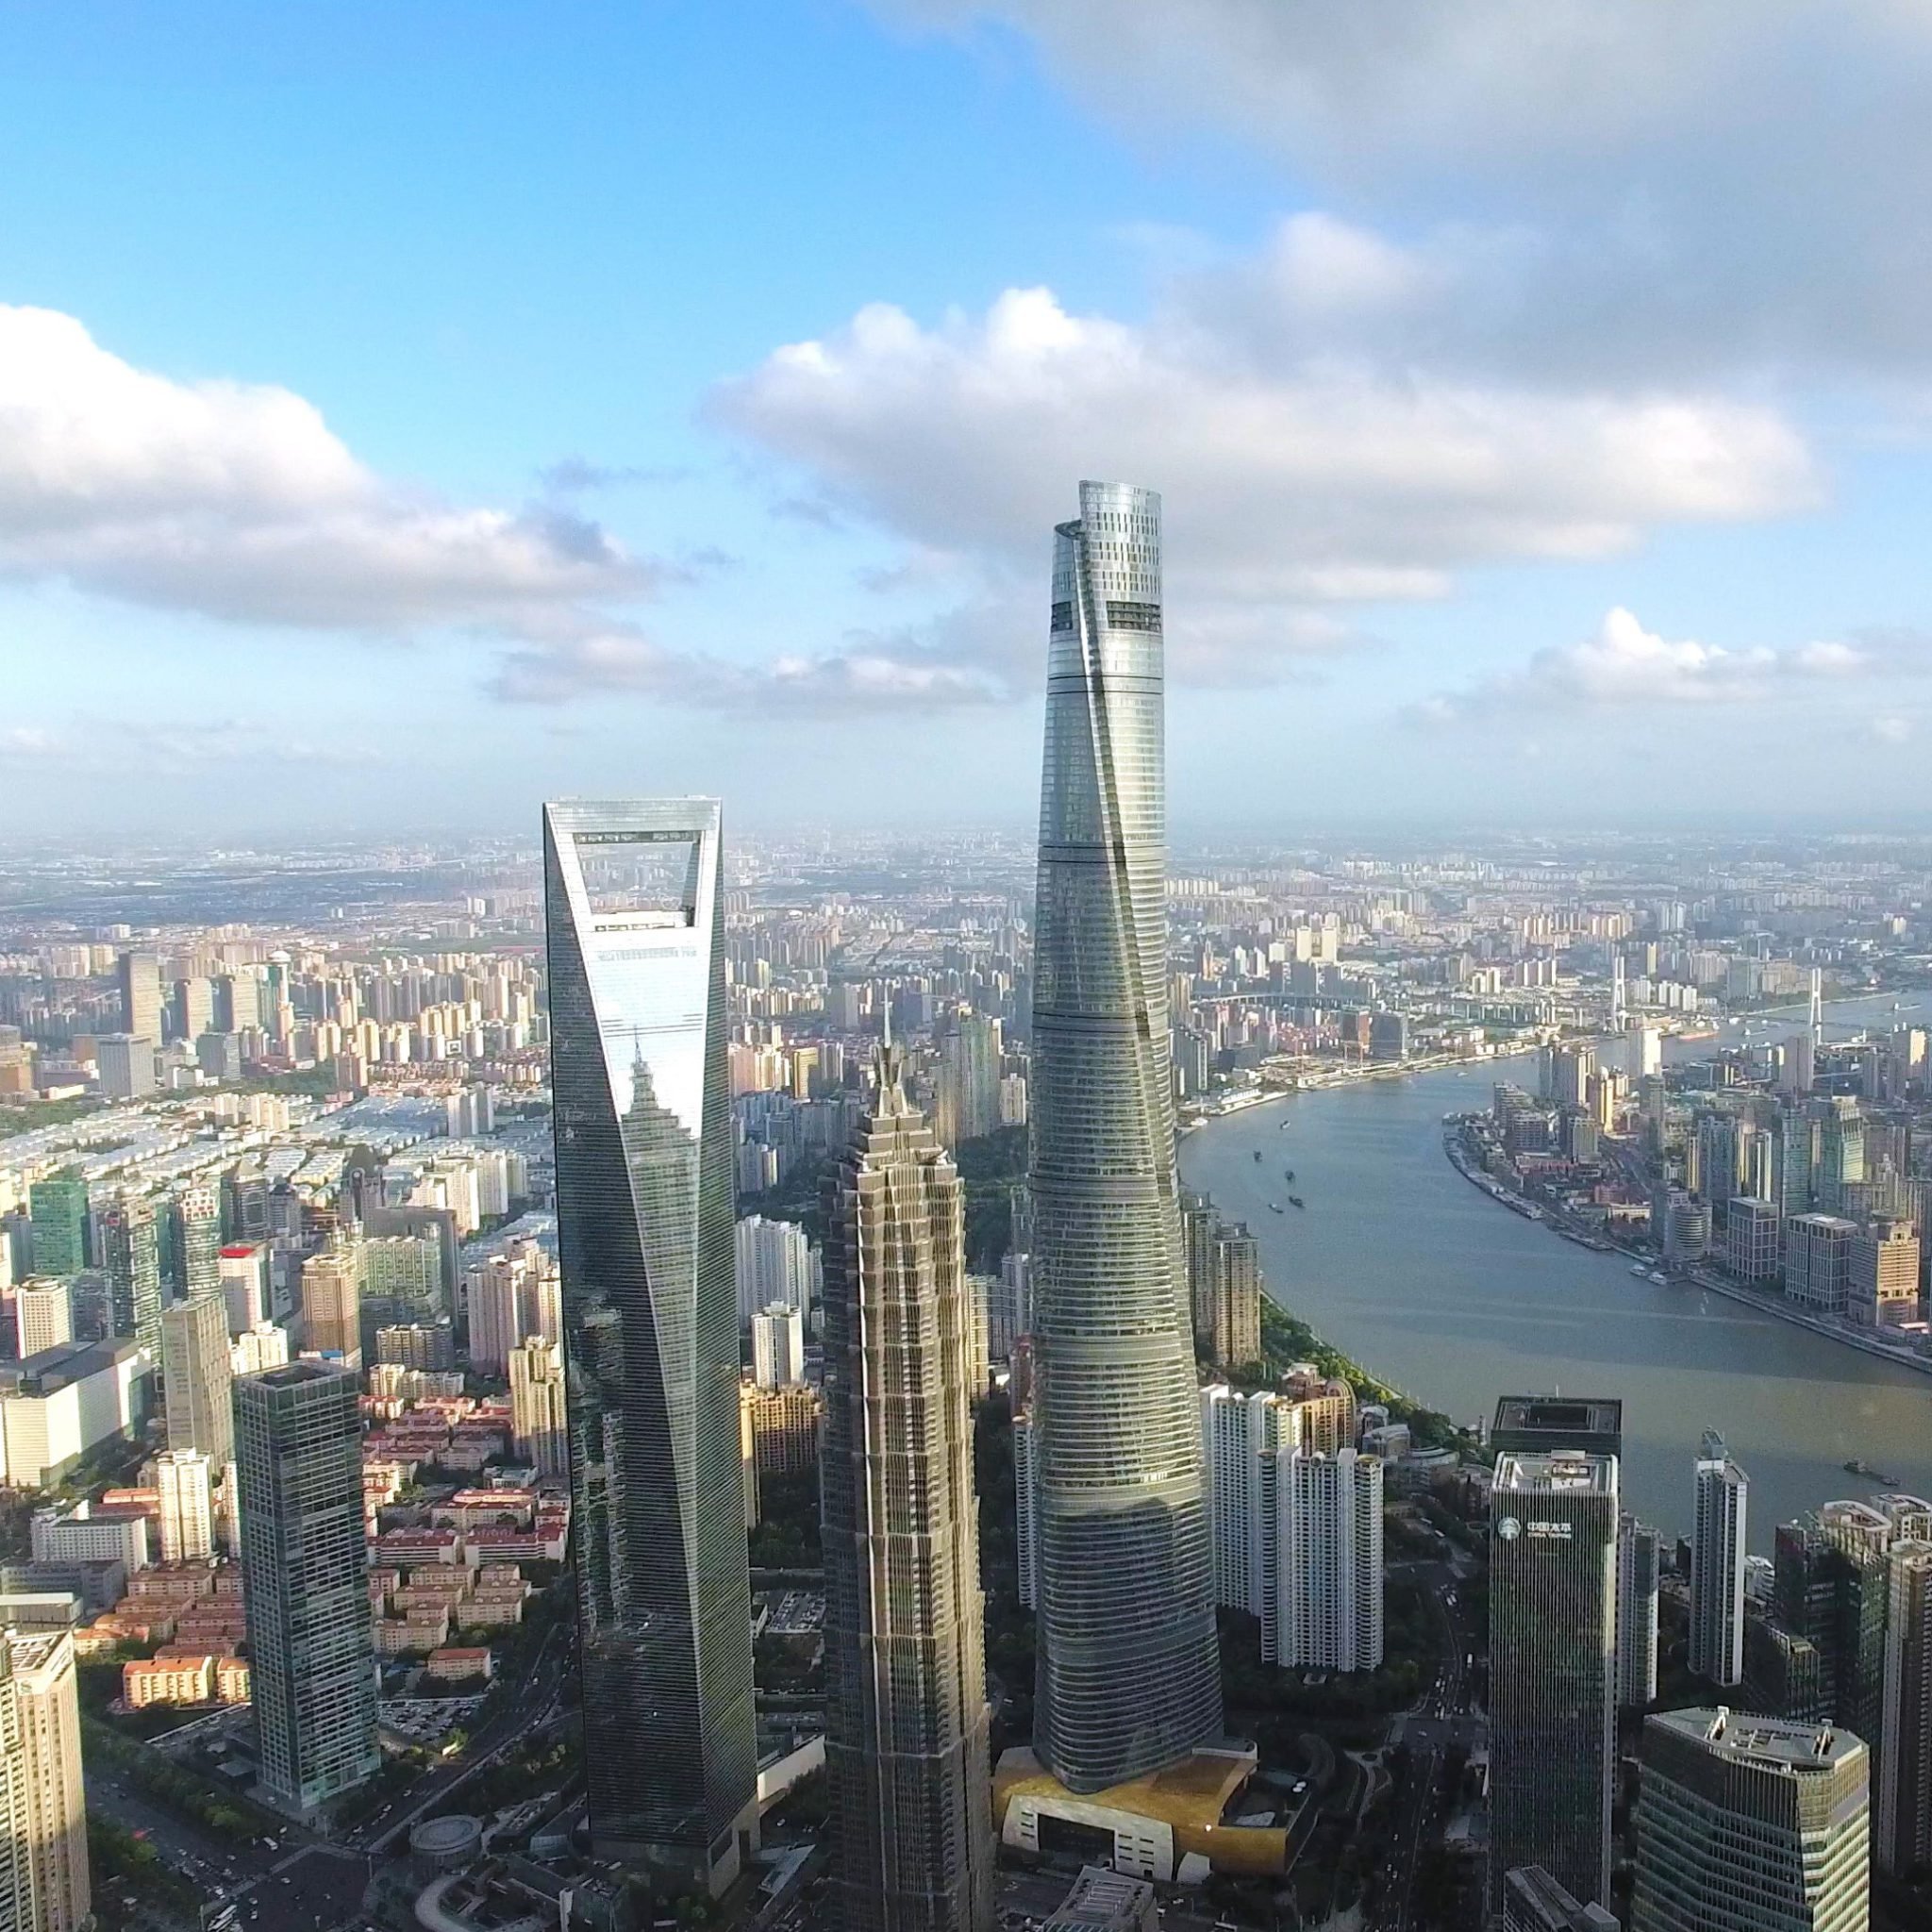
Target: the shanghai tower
(643, 1121)
(1129, 1675)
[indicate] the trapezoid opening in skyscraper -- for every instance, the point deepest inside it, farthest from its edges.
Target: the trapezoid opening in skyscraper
(644, 1229)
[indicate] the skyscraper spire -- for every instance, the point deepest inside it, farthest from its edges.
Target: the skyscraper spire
(1128, 1670)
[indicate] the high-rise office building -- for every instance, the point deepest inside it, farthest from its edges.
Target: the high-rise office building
(1717, 1565)
(1746, 1823)
(1223, 1269)
(242, 1270)
(45, 1879)
(43, 1314)
(60, 1206)
(184, 1483)
(1882, 1274)
(1129, 1675)
(774, 1261)
(1235, 1330)
(140, 976)
(1553, 1658)
(1753, 1239)
(304, 1573)
(540, 1415)
(967, 1102)
(263, 1347)
(1639, 1566)
(644, 1222)
(778, 1347)
(1330, 1572)
(126, 1063)
(1250, 1441)
(906, 1745)
(1902, 1836)
(194, 1241)
(197, 1377)
(332, 1303)
(1818, 1253)
(127, 1236)
(511, 1297)
(399, 1279)
(1829, 1586)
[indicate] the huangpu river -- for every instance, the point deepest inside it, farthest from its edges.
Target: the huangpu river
(1451, 1297)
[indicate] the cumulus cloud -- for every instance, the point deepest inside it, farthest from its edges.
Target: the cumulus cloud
(1371, 88)
(1665, 189)
(960, 660)
(237, 502)
(1292, 483)
(1624, 665)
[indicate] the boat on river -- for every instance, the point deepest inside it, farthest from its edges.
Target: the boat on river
(1859, 1467)
(1296, 1200)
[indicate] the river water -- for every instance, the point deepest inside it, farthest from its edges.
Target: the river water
(1435, 1288)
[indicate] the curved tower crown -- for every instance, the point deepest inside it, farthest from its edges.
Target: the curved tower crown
(1128, 1673)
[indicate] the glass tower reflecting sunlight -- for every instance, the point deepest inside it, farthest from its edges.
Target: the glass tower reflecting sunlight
(644, 1220)
(1128, 1675)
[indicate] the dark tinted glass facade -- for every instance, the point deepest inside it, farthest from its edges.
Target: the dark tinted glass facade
(644, 1223)
(1553, 1610)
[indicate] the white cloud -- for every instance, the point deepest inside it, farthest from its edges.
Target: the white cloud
(1713, 185)
(238, 502)
(870, 671)
(1625, 666)
(1292, 482)
(169, 747)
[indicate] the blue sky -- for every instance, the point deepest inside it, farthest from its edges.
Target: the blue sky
(400, 421)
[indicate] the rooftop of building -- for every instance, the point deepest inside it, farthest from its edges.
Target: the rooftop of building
(296, 1373)
(54, 1368)
(1778, 1743)
(1564, 1470)
(1192, 1797)
(32, 1650)
(1596, 1415)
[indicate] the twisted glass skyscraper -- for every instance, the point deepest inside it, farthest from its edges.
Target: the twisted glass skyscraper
(1128, 1675)
(644, 1199)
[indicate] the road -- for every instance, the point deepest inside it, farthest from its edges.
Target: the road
(302, 1886)
(536, 1705)
(306, 1884)
(1441, 1721)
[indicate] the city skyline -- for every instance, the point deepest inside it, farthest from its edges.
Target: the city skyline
(690, 507)
(1645, 1124)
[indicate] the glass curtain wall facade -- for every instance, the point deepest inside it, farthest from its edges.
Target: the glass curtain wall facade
(906, 1715)
(304, 1573)
(1553, 1668)
(644, 1225)
(1743, 1824)
(1128, 1677)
